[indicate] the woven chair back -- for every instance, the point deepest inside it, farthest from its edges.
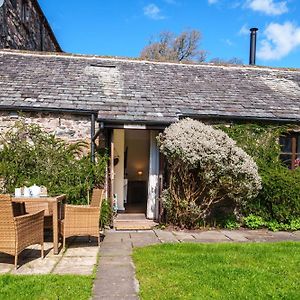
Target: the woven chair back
(32, 208)
(96, 198)
(7, 223)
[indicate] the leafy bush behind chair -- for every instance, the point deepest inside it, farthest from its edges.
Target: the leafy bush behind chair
(29, 155)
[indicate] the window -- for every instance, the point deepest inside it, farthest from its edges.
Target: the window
(14, 3)
(290, 149)
(25, 11)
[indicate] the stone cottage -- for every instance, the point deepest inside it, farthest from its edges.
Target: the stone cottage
(128, 102)
(123, 104)
(23, 25)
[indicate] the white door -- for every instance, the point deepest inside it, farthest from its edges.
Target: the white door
(152, 205)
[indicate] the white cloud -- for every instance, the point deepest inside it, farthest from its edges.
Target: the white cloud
(245, 29)
(268, 7)
(152, 11)
(228, 42)
(212, 1)
(280, 40)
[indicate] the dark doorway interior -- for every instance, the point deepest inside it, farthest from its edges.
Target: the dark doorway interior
(136, 197)
(136, 170)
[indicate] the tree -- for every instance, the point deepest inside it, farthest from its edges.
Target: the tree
(206, 167)
(231, 61)
(169, 47)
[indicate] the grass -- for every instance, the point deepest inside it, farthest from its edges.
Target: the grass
(44, 287)
(219, 271)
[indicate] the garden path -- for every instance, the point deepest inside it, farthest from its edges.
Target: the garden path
(115, 277)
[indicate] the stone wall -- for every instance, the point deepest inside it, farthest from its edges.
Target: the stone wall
(23, 26)
(69, 127)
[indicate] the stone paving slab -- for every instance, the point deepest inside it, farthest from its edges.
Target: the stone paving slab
(211, 236)
(115, 281)
(6, 267)
(235, 236)
(116, 250)
(116, 236)
(107, 261)
(297, 234)
(182, 235)
(165, 236)
(74, 270)
(75, 265)
(283, 236)
(258, 235)
(36, 266)
(90, 251)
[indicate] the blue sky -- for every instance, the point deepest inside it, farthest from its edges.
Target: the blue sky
(124, 27)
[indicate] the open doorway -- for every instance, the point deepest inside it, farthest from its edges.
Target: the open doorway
(136, 170)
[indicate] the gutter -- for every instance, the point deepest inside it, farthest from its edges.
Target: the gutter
(240, 118)
(48, 110)
(134, 124)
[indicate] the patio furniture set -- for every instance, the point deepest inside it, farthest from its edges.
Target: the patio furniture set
(23, 219)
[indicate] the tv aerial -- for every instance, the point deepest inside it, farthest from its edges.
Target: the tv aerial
(1, 3)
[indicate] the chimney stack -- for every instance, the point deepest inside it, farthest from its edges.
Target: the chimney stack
(252, 57)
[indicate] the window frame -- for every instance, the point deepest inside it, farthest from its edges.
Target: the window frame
(295, 138)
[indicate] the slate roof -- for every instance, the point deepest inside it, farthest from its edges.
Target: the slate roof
(133, 90)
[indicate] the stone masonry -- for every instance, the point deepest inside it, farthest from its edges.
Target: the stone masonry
(69, 127)
(24, 26)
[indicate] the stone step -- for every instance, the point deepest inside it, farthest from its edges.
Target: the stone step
(130, 217)
(134, 225)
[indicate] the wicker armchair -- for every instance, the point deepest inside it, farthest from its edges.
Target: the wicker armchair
(17, 233)
(83, 220)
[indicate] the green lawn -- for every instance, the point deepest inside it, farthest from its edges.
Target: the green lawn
(15, 287)
(219, 271)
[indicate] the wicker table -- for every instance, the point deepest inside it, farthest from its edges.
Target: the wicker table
(56, 204)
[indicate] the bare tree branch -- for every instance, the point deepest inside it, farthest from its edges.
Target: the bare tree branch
(168, 47)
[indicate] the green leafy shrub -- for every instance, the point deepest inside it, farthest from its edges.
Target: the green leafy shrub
(231, 223)
(279, 198)
(206, 167)
(254, 222)
(295, 224)
(28, 155)
(106, 214)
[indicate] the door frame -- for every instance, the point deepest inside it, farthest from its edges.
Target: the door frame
(154, 214)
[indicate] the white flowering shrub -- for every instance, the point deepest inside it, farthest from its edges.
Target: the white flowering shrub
(205, 168)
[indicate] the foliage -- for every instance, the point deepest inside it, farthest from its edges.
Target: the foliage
(218, 271)
(29, 156)
(169, 47)
(206, 167)
(45, 287)
(106, 214)
(279, 198)
(231, 222)
(254, 222)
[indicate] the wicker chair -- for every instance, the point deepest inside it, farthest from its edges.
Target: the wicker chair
(83, 220)
(17, 233)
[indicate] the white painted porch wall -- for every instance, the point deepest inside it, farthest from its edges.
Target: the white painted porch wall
(119, 141)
